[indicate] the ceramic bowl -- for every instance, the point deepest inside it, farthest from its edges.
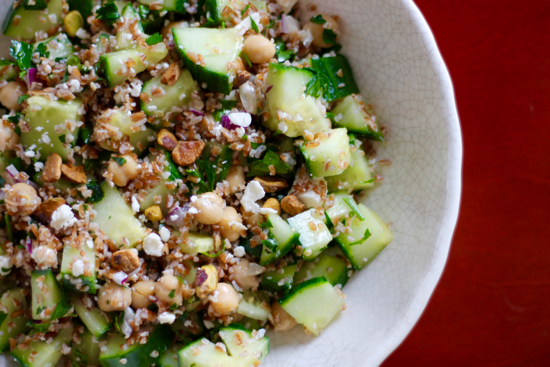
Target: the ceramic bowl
(401, 72)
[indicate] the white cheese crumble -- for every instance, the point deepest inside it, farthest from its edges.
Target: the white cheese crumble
(78, 268)
(152, 245)
(239, 251)
(267, 211)
(241, 119)
(164, 234)
(129, 315)
(283, 127)
(253, 192)
(63, 217)
(119, 277)
(5, 264)
(166, 318)
(311, 199)
(135, 204)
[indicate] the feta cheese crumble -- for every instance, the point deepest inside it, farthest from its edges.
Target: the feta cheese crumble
(63, 217)
(241, 119)
(152, 245)
(78, 268)
(164, 234)
(166, 318)
(253, 192)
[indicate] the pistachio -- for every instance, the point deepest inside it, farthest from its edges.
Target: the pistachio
(125, 260)
(206, 280)
(153, 213)
(187, 152)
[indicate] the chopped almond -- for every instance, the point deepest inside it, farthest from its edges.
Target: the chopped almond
(187, 152)
(171, 75)
(74, 174)
(52, 168)
(292, 205)
(167, 140)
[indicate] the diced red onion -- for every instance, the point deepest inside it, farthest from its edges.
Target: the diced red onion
(29, 245)
(175, 217)
(32, 77)
(12, 171)
(196, 113)
(226, 122)
(268, 89)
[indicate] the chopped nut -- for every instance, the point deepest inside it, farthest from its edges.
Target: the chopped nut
(271, 184)
(52, 168)
(166, 139)
(73, 22)
(292, 205)
(171, 75)
(74, 174)
(153, 213)
(46, 209)
(273, 203)
(187, 152)
(206, 280)
(242, 78)
(125, 260)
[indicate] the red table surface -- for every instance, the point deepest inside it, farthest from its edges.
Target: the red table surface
(492, 305)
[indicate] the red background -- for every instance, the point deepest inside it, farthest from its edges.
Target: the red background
(492, 305)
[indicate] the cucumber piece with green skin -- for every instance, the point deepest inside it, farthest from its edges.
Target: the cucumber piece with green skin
(313, 303)
(216, 7)
(197, 243)
(250, 324)
(94, 319)
(331, 264)
(170, 358)
(86, 353)
(314, 234)
(84, 256)
(17, 324)
(123, 121)
(124, 35)
(49, 302)
(343, 204)
(255, 305)
(188, 325)
(357, 117)
(291, 111)
(177, 6)
(113, 64)
(103, 46)
(42, 116)
(177, 95)
(22, 24)
(215, 49)
(160, 189)
(362, 253)
(116, 219)
(137, 355)
(357, 176)
(282, 237)
(337, 77)
(189, 279)
(59, 46)
(243, 346)
(279, 282)
(43, 354)
(203, 353)
(329, 154)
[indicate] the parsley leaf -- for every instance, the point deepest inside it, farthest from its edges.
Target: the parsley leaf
(97, 192)
(329, 36)
(172, 293)
(22, 53)
(210, 168)
(42, 49)
(38, 5)
(154, 39)
(86, 133)
(318, 19)
(22, 98)
(4, 62)
(260, 167)
(314, 86)
(15, 118)
(7, 218)
(253, 251)
(254, 25)
(61, 308)
(354, 208)
(227, 104)
(62, 138)
(119, 160)
(245, 9)
(361, 240)
(108, 13)
(282, 53)
(245, 58)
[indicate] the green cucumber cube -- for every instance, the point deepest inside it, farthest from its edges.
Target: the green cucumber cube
(58, 46)
(196, 243)
(358, 175)
(255, 305)
(276, 281)
(314, 234)
(331, 264)
(358, 118)
(243, 346)
(203, 353)
(177, 95)
(282, 236)
(41, 353)
(177, 6)
(23, 24)
(122, 120)
(329, 154)
(78, 272)
(17, 324)
(49, 302)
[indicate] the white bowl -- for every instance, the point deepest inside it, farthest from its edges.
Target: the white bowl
(400, 71)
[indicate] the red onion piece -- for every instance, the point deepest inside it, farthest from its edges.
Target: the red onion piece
(196, 113)
(29, 245)
(268, 89)
(32, 77)
(12, 171)
(226, 122)
(175, 216)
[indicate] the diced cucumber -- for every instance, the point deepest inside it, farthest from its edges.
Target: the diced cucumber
(85, 257)
(254, 305)
(177, 95)
(160, 189)
(277, 281)
(197, 243)
(124, 35)
(123, 121)
(216, 7)
(17, 324)
(352, 114)
(103, 45)
(94, 319)
(49, 302)
(43, 116)
(243, 346)
(329, 154)
(137, 355)
(343, 204)
(330, 264)
(313, 303)
(338, 80)
(23, 24)
(282, 237)
(43, 354)
(357, 176)
(114, 66)
(86, 353)
(261, 5)
(314, 234)
(188, 326)
(290, 110)
(362, 252)
(170, 358)
(116, 219)
(120, 5)
(58, 46)
(209, 54)
(189, 278)
(251, 324)
(203, 353)
(170, 5)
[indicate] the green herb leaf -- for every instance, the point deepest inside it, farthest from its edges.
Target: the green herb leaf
(61, 308)
(7, 218)
(108, 13)
(354, 208)
(361, 240)
(119, 160)
(330, 225)
(227, 105)
(154, 39)
(119, 319)
(37, 5)
(97, 192)
(261, 167)
(172, 293)
(245, 58)
(314, 86)
(282, 53)
(270, 243)
(2, 182)
(22, 98)
(254, 25)
(62, 138)
(271, 24)
(175, 174)
(318, 19)
(42, 49)
(217, 253)
(22, 53)
(15, 118)
(86, 133)
(214, 171)
(253, 251)
(245, 9)
(329, 36)
(4, 62)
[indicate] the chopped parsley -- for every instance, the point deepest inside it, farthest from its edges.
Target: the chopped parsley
(329, 36)
(42, 49)
(254, 25)
(22, 98)
(260, 167)
(108, 13)
(22, 53)
(97, 192)
(212, 172)
(245, 58)
(172, 293)
(318, 19)
(86, 133)
(119, 160)
(280, 50)
(245, 10)
(154, 39)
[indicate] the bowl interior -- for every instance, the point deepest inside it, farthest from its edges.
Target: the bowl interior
(399, 70)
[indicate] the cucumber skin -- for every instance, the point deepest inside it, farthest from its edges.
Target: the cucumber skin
(272, 284)
(298, 288)
(62, 306)
(6, 25)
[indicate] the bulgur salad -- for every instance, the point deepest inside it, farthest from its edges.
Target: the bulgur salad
(177, 178)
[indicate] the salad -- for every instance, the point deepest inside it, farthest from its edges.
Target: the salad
(177, 178)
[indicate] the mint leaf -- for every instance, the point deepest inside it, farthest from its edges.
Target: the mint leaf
(261, 167)
(318, 19)
(154, 39)
(42, 49)
(97, 192)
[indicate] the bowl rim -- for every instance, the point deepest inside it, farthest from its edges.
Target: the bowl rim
(453, 196)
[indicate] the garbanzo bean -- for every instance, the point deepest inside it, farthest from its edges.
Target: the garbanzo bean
(10, 93)
(210, 207)
(168, 290)
(317, 30)
(235, 178)
(113, 297)
(231, 224)
(8, 137)
(225, 300)
(22, 199)
(141, 292)
(122, 174)
(259, 49)
(239, 273)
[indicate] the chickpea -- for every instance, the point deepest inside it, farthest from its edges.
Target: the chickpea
(235, 178)
(231, 225)
(317, 30)
(252, 219)
(141, 292)
(210, 207)
(281, 319)
(168, 29)
(22, 199)
(168, 289)
(226, 299)
(113, 297)
(8, 138)
(10, 93)
(259, 49)
(239, 273)
(122, 174)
